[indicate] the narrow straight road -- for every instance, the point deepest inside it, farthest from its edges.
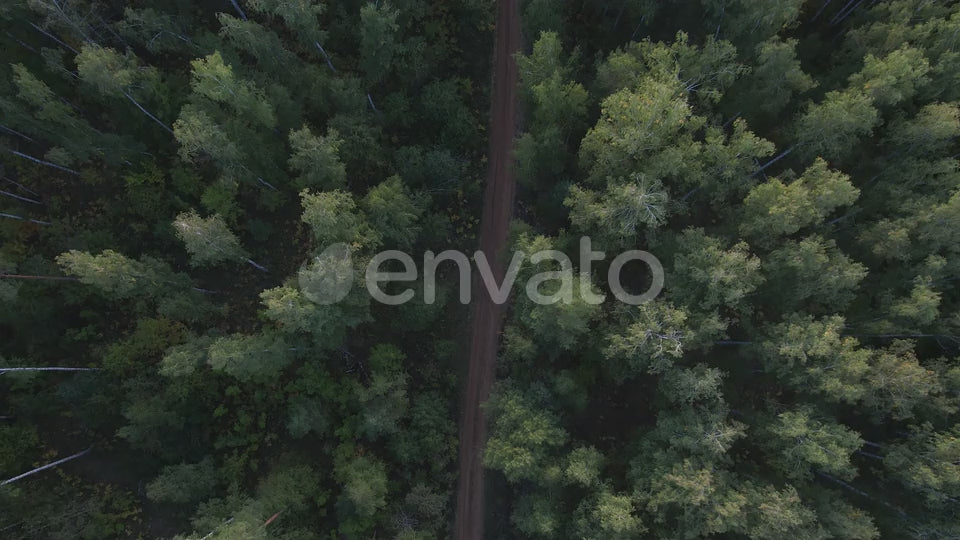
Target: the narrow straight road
(488, 316)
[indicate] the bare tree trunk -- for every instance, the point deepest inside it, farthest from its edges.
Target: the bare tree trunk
(46, 163)
(860, 492)
(782, 155)
(820, 11)
(37, 221)
(204, 291)
(19, 198)
(45, 467)
(146, 112)
(22, 44)
(848, 13)
(257, 266)
(23, 187)
(240, 12)
(843, 484)
(844, 8)
(325, 56)
(227, 522)
(268, 184)
(17, 133)
(731, 120)
(53, 37)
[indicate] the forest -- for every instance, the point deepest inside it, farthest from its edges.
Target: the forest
(172, 174)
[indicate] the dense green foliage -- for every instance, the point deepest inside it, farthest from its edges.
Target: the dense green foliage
(191, 162)
(794, 167)
(173, 172)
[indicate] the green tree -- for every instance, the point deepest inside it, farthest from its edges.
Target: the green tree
(800, 444)
(45, 114)
(199, 136)
(185, 359)
(898, 385)
(261, 43)
(608, 515)
(113, 74)
(646, 129)
(317, 159)
(701, 430)
(209, 241)
(385, 400)
(774, 209)
(184, 483)
(545, 74)
(378, 41)
(537, 515)
(393, 212)
(749, 21)
(250, 358)
(290, 485)
(624, 210)
(214, 80)
(705, 72)
(775, 79)
(926, 463)
(778, 512)
(120, 277)
(558, 107)
(816, 272)
(158, 31)
(706, 276)
(686, 500)
(334, 217)
(813, 356)
(920, 308)
(832, 128)
(522, 435)
(692, 385)
(364, 483)
(893, 79)
(584, 466)
(301, 17)
(652, 341)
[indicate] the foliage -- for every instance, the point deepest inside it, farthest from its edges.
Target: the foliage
(793, 166)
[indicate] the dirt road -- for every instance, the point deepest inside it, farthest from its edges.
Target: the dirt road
(487, 316)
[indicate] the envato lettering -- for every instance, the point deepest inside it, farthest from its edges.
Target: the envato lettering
(329, 277)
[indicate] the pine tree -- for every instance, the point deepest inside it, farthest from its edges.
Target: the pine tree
(209, 241)
(316, 159)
